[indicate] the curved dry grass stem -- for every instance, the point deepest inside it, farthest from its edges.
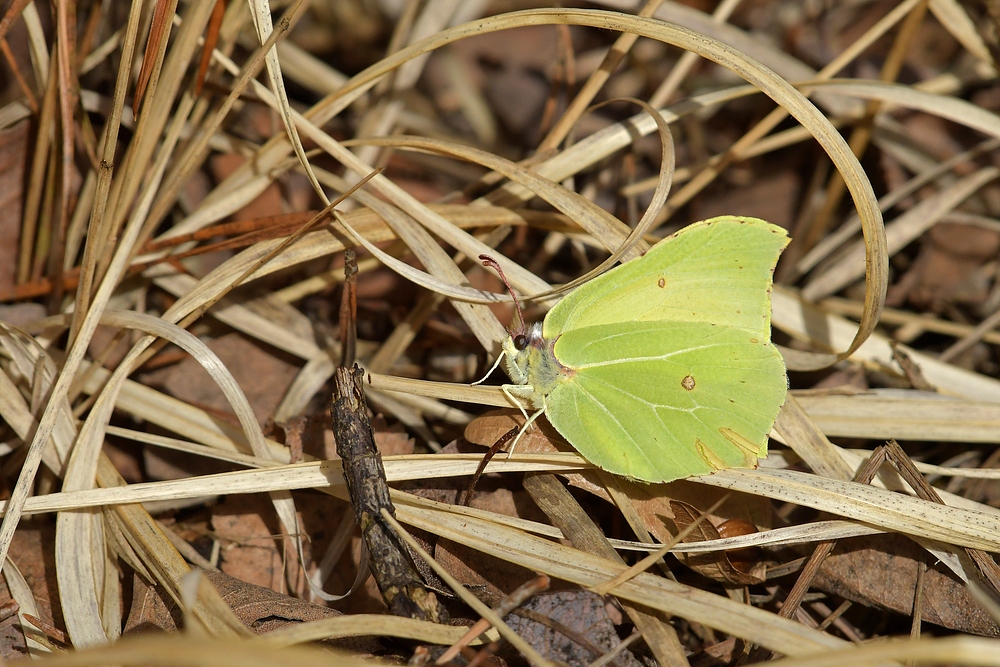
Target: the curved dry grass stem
(137, 179)
(766, 80)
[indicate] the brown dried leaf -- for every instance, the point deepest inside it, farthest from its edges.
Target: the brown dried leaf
(654, 505)
(261, 609)
(881, 571)
(488, 577)
(947, 268)
(263, 376)
(32, 550)
(771, 197)
(251, 550)
(487, 428)
(716, 566)
(391, 440)
(151, 609)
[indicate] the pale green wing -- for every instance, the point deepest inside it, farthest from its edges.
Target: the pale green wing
(658, 401)
(716, 271)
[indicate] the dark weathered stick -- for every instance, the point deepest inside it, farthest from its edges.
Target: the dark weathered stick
(397, 579)
(349, 309)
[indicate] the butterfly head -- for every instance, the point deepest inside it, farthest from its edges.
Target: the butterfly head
(531, 360)
(520, 348)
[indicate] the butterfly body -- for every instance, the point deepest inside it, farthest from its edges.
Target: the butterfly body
(532, 365)
(663, 367)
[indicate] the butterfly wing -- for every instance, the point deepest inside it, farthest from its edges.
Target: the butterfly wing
(658, 401)
(717, 271)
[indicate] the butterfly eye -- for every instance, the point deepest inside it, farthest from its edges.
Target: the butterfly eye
(520, 341)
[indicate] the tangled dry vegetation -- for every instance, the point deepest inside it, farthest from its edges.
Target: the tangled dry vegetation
(175, 307)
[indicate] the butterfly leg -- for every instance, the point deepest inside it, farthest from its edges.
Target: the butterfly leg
(492, 368)
(535, 415)
(514, 392)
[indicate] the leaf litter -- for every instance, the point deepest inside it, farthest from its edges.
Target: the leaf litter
(166, 363)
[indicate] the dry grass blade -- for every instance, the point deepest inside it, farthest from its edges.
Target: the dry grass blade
(311, 475)
(21, 593)
(805, 322)
(903, 415)
(160, 189)
(801, 433)
(955, 109)
(98, 226)
(850, 264)
(365, 624)
(594, 219)
(955, 650)
(526, 649)
(183, 650)
(648, 590)
(869, 504)
(819, 531)
(262, 19)
(442, 390)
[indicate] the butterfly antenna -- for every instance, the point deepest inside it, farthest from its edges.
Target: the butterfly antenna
(493, 264)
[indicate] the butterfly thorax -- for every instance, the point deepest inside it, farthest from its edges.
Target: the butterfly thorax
(531, 361)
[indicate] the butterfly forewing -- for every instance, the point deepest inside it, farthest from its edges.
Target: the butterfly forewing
(658, 401)
(717, 271)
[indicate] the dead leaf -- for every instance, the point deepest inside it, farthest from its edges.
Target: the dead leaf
(542, 438)
(12, 643)
(947, 268)
(391, 440)
(151, 609)
(717, 566)
(261, 609)
(769, 196)
(252, 550)
(31, 549)
(881, 571)
(262, 375)
(489, 578)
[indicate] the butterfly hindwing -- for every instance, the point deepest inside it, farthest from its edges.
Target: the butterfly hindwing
(658, 401)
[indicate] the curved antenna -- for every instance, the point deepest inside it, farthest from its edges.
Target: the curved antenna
(493, 264)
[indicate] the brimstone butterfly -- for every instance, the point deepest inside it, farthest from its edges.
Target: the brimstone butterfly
(663, 367)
